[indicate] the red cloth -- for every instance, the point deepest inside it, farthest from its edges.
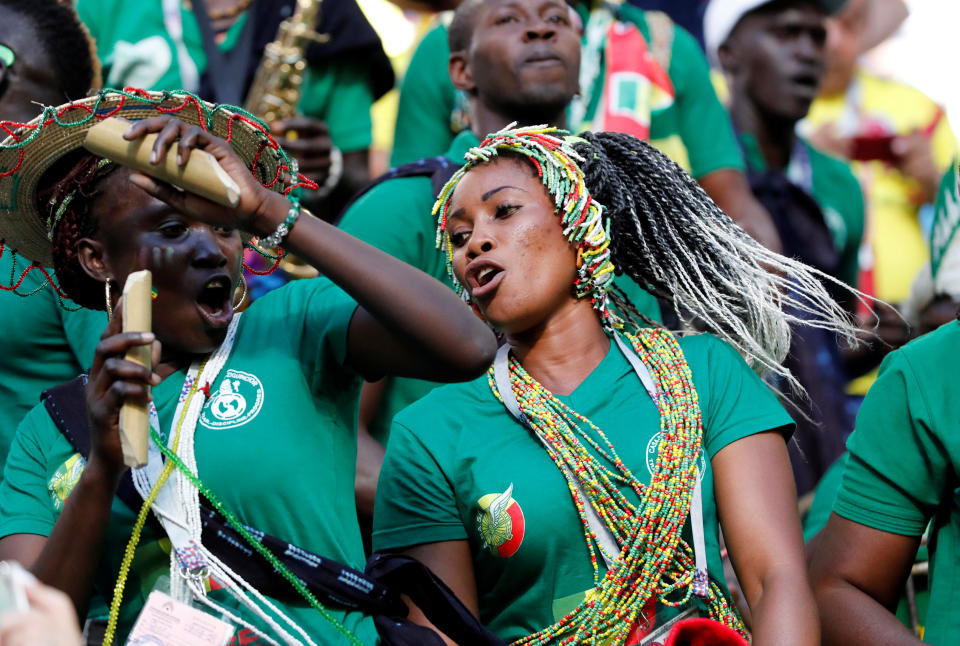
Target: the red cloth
(703, 632)
(634, 84)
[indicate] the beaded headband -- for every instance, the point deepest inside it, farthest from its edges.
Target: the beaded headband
(584, 223)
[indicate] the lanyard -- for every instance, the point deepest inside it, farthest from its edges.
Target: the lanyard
(605, 540)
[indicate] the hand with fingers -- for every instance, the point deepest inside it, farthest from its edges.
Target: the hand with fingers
(308, 140)
(252, 214)
(114, 380)
(50, 621)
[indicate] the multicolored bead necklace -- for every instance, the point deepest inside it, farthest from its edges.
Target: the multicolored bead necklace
(654, 561)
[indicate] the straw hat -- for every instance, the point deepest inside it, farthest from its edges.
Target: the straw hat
(29, 150)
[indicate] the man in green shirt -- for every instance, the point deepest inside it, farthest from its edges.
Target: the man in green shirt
(44, 56)
(900, 477)
(681, 114)
(525, 72)
(773, 55)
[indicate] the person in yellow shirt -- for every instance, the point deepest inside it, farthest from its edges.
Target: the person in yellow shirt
(899, 143)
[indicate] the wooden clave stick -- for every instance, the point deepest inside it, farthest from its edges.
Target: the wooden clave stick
(134, 418)
(201, 175)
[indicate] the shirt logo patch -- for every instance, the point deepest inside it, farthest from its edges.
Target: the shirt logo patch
(237, 401)
(653, 450)
(500, 522)
(65, 479)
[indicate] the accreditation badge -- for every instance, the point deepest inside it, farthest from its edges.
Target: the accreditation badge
(164, 621)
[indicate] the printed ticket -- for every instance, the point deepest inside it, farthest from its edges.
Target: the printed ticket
(165, 621)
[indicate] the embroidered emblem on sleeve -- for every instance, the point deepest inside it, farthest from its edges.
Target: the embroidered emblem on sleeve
(65, 479)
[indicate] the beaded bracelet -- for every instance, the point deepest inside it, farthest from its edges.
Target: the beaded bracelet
(283, 229)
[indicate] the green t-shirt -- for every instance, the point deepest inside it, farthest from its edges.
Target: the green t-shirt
(137, 50)
(836, 190)
(817, 519)
(46, 345)
(902, 470)
(395, 218)
(283, 404)
(458, 445)
(823, 499)
(694, 129)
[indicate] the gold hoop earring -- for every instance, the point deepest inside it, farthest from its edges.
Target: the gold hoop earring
(106, 289)
(243, 295)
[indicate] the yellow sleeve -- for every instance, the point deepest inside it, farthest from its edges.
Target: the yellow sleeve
(944, 144)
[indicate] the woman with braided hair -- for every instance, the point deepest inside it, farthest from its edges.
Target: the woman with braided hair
(238, 403)
(572, 494)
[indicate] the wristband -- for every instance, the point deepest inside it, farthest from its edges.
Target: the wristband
(276, 238)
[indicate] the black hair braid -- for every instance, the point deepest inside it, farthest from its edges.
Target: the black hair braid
(652, 204)
(628, 311)
(671, 238)
(82, 179)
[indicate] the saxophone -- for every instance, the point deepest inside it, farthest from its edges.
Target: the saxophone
(276, 88)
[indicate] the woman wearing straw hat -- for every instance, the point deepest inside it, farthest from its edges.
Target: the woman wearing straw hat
(255, 413)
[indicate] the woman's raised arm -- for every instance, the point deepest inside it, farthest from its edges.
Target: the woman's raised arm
(408, 323)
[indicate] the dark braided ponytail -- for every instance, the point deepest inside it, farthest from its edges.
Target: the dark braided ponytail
(630, 210)
(669, 236)
(76, 178)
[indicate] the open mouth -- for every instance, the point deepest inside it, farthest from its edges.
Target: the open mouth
(215, 301)
(483, 277)
(486, 275)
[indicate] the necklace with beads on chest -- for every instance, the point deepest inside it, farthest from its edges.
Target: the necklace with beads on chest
(640, 543)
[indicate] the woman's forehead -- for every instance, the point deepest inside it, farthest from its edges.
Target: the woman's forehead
(120, 200)
(502, 172)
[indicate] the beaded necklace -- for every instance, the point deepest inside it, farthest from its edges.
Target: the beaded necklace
(653, 560)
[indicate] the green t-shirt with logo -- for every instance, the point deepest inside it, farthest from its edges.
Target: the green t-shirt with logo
(395, 218)
(283, 404)
(456, 449)
(902, 470)
(46, 344)
(836, 190)
(694, 129)
(137, 50)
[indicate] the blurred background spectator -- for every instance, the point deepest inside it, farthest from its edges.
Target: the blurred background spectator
(899, 142)
(773, 54)
(213, 47)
